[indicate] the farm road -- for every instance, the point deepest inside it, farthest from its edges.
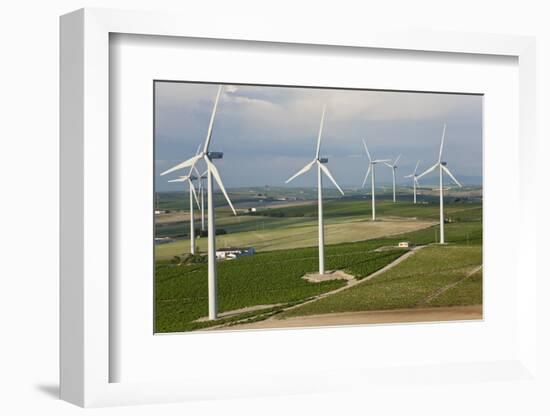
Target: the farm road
(416, 315)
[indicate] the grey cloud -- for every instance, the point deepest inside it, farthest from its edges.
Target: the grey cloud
(269, 132)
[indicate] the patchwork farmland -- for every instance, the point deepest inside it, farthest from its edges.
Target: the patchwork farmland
(268, 289)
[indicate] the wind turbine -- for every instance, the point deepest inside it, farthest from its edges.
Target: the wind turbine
(319, 161)
(415, 180)
(212, 173)
(192, 195)
(442, 168)
(393, 167)
(370, 170)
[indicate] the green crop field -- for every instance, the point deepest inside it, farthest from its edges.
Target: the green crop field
(263, 279)
(274, 278)
(295, 226)
(285, 238)
(230, 224)
(467, 292)
(268, 216)
(297, 235)
(410, 284)
(361, 207)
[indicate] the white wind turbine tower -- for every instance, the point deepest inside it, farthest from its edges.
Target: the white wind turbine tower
(442, 168)
(415, 180)
(201, 196)
(192, 195)
(371, 171)
(212, 173)
(319, 161)
(393, 167)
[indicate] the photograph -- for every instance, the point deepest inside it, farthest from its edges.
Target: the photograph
(281, 207)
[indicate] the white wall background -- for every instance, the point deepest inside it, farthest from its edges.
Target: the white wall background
(29, 204)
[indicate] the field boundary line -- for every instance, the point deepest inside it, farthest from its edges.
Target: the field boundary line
(451, 285)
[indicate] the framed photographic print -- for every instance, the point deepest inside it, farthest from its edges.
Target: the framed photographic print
(248, 215)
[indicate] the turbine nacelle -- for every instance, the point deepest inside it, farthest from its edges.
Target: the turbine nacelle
(323, 160)
(215, 155)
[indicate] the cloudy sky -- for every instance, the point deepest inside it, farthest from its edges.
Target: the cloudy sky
(268, 133)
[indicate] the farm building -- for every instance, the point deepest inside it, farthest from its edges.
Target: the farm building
(230, 253)
(403, 244)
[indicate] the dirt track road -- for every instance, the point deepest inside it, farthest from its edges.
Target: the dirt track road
(451, 313)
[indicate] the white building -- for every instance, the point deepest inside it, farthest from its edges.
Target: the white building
(230, 253)
(403, 244)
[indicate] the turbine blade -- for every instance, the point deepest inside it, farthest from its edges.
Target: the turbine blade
(196, 173)
(428, 171)
(396, 160)
(366, 176)
(381, 161)
(416, 181)
(408, 176)
(180, 179)
(211, 124)
(448, 172)
(193, 166)
(442, 141)
(194, 194)
(188, 162)
(327, 172)
(320, 132)
(301, 171)
(367, 150)
(218, 179)
(388, 164)
(416, 168)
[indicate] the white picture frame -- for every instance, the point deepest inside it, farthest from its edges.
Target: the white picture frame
(85, 212)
